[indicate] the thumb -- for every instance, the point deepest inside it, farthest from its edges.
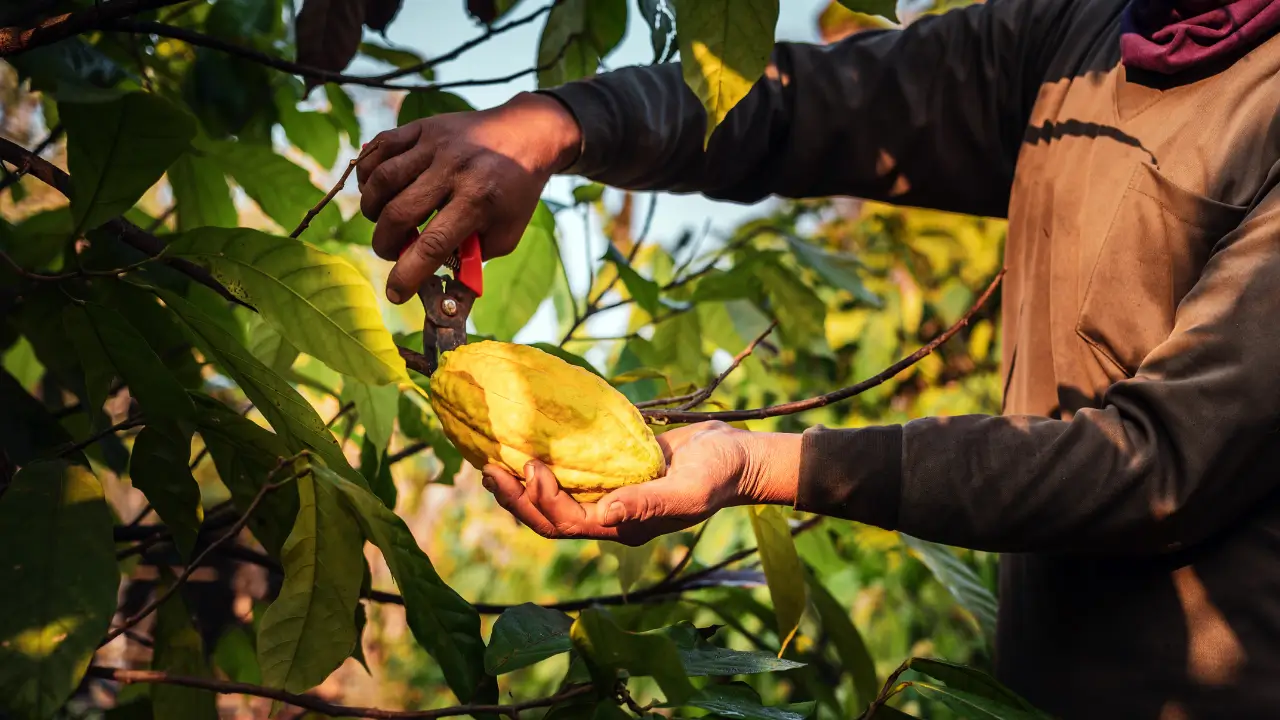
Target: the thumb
(662, 498)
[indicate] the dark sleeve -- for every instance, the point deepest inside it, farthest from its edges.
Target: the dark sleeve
(931, 115)
(1174, 454)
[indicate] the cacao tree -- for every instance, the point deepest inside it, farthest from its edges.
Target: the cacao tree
(221, 483)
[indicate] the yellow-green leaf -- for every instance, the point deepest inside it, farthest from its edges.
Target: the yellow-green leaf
(179, 650)
(310, 629)
(782, 569)
(59, 574)
(320, 303)
(724, 49)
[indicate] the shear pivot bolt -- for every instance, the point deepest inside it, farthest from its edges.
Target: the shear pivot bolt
(449, 306)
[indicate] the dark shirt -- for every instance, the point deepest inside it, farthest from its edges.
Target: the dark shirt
(1131, 481)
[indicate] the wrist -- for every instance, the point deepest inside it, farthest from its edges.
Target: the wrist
(771, 472)
(552, 122)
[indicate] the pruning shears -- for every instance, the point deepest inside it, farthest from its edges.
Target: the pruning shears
(447, 300)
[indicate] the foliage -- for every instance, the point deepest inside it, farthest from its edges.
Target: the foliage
(208, 126)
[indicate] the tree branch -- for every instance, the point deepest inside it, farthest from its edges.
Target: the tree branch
(663, 417)
(695, 399)
(14, 40)
(317, 705)
(195, 563)
(127, 423)
(191, 37)
(453, 54)
(127, 232)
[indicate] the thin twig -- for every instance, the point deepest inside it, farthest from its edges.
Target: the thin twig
(688, 555)
(137, 520)
(701, 395)
(127, 232)
(662, 417)
(333, 191)
(317, 705)
(82, 273)
(407, 452)
(144, 545)
(453, 54)
(210, 42)
(126, 424)
(55, 133)
(348, 407)
(14, 40)
(195, 564)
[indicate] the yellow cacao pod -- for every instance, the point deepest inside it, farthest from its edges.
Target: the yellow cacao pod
(506, 404)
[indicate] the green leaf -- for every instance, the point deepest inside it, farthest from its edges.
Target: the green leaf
(57, 559)
(721, 662)
(608, 648)
(235, 656)
(319, 302)
(343, 112)
(414, 424)
(377, 472)
(201, 194)
(20, 361)
(179, 650)
(525, 635)
(98, 369)
(839, 271)
(588, 193)
(676, 349)
(883, 8)
(290, 415)
(632, 561)
(446, 625)
(578, 34)
(855, 659)
(27, 430)
(724, 49)
(739, 700)
(973, 706)
(310, 629)
(971, 680)
(420, 104)
(396, 57)
(245, 454)
(801, 314)
(782, 568)
(567, 356)
(72, 71)
(101, 330)
(313, 133)
(117, 150)
(661, 19)
(377, 406)
(158, 325)
(269, 346)
(518, 283)
(644, 290)
(282, 189)
(959, 579)
(159, 468)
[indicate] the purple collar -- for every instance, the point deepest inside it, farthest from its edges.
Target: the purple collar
(1170, 36)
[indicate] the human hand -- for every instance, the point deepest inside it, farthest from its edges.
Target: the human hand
(710, 466)
(483, 171)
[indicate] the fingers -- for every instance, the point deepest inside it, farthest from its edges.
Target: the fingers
(667, 498)
(427, 253)
(565, 513)
(511, 496)
(403, 215)
(384, 183)
(384, 145)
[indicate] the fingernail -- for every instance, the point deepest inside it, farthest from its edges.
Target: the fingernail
(617, 512)
(528, 471)
(394, 296)
(488, 483)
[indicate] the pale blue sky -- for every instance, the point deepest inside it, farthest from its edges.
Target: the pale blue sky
(432, 28)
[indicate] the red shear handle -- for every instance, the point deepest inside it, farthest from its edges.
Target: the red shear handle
(469, 270)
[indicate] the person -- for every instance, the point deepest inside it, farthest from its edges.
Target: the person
(1131, 482)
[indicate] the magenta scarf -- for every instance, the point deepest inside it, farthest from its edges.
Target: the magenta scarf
(1169, 36)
